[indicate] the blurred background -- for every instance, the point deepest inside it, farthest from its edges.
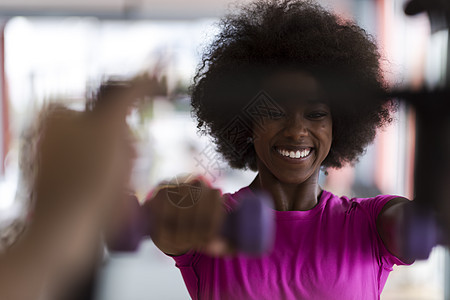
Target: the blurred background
(61, 50)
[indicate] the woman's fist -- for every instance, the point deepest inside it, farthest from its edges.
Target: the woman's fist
(187, 215)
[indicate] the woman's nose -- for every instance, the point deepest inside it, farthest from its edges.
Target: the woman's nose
(296, 126)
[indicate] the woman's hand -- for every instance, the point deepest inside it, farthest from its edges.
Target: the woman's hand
(187, 216)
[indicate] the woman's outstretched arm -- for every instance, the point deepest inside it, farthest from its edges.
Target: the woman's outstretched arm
(390, 222)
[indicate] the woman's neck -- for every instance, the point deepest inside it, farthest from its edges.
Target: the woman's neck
(290, 196)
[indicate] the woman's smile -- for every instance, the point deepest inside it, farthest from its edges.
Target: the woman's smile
(294, 154)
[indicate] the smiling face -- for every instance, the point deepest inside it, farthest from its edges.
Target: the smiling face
(293, 144)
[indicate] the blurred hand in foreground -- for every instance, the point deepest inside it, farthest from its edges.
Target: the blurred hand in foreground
(81, 169)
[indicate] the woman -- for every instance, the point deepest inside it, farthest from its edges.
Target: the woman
(286, 89)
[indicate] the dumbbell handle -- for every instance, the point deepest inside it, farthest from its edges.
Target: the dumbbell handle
(249, 227)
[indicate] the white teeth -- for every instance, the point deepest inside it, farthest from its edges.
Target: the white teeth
(305, 152)
(295, 154)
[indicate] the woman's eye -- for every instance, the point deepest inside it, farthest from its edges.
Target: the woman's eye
(317, 115)
(276, 115)
(272, 115)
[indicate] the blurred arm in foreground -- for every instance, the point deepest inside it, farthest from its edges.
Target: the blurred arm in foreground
(81, 166)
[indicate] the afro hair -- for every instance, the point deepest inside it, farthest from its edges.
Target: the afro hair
(266, 36)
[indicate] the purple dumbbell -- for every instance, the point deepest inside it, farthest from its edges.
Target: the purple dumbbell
(136, 225)
(421, 232)
(249, 228)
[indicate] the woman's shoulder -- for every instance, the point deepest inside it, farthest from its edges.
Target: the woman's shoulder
(370, 205)
(373, 204)
(361, 200)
